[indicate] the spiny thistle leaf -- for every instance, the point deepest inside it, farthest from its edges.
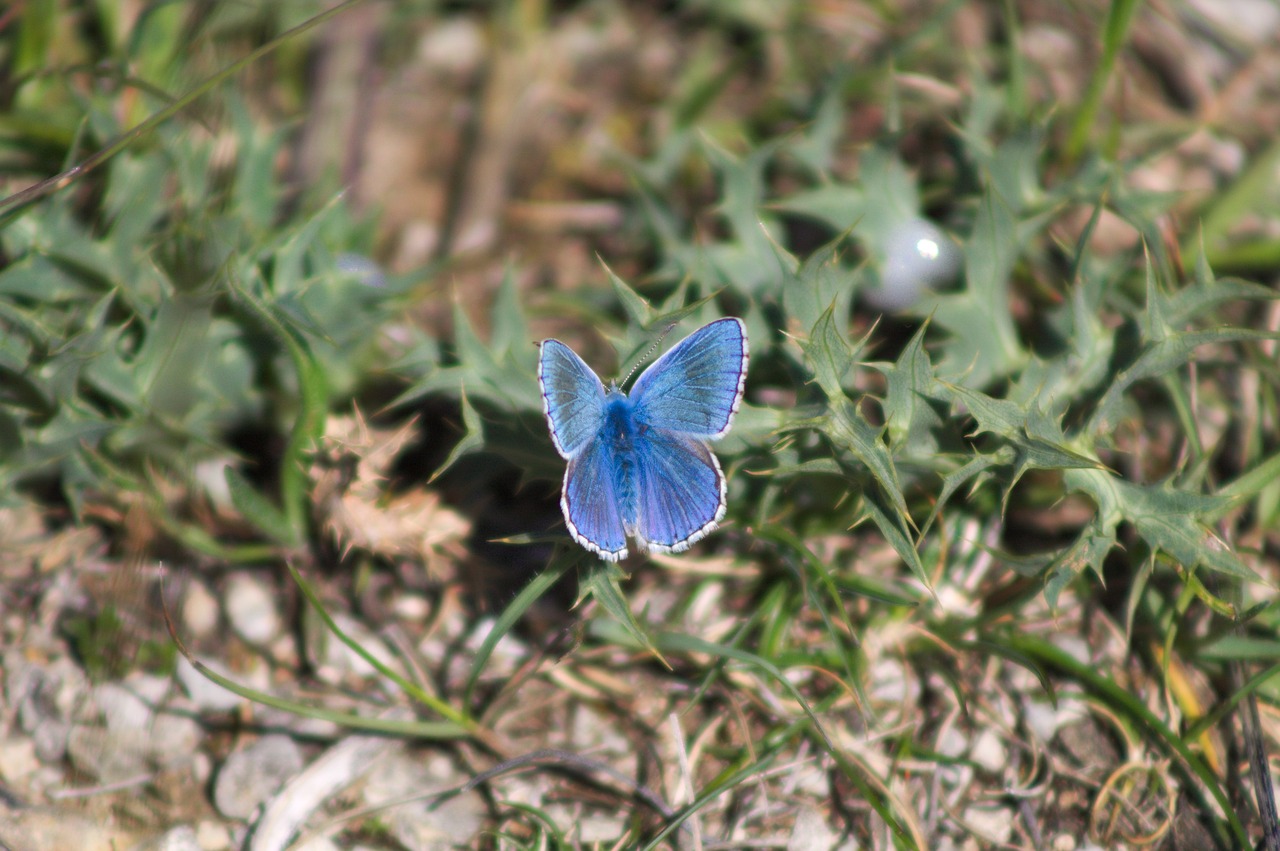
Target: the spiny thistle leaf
(472, 439)
(828, 352)
(913, 406)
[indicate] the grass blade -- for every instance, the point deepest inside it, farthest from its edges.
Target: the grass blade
(1116, 32)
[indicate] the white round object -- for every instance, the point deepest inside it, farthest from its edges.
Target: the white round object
(917, 256)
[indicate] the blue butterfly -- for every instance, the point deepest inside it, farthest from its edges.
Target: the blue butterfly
(639, 465)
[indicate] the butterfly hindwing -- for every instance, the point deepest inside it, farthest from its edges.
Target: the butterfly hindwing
(696, 387)
(572, 398)
(681, 490)
(590, 503)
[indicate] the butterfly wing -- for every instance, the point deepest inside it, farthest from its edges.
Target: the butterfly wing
(696, 387)
(681, 490)
(590, 503)
(572, 398)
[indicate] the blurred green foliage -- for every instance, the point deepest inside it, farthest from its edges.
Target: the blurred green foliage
(976, 400)
(109, 650)
(178, 294)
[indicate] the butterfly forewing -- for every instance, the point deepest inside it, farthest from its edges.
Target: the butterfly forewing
(695, 388)
(590, 504)
(572, 398)
(681, 490)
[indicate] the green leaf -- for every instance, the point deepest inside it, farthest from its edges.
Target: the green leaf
(821, 283)
(885, 197)
(504, 377)
(257, 194)
(841, 206)
(1249, 195)
(982, 342)
(472, 439)
(828, 351)
(811, 467)
(1155, 325)
(1036, 437)
(849, 429)
(1120, 14)
(1014, 168)
(816, 146)
(978, 468)
(1170, 520)
(510, 334)
(1250, 484)
(1045, 446)
(602, 584)
(1198, 300)
(894, 524)
(1087, 551)
(259, 511)
(913, 409)
(472, 352)
(308, 426)
(752, 260)
(1159, 358)
(174, 353)
(741, 190)
(638, 310)
(428, 730)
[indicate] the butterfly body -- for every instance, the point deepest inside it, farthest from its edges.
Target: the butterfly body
(639, 465)
(619, 433)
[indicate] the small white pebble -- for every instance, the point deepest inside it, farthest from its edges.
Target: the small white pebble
(17, 760)
(455, 45)
(951, 742)
(989, 752)
(252, 774)
(251, 609)
(199, 610)
(213, 836)
(993, 824)
(810, 831)
(411, 607)
(181, 838)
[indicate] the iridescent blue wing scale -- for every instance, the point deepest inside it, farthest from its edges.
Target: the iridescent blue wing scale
(590, 504)
(696, 387)
(572, 398)
(681, 490)
(688, 396)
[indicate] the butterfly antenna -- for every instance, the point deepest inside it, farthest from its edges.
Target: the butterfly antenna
(649, 351)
